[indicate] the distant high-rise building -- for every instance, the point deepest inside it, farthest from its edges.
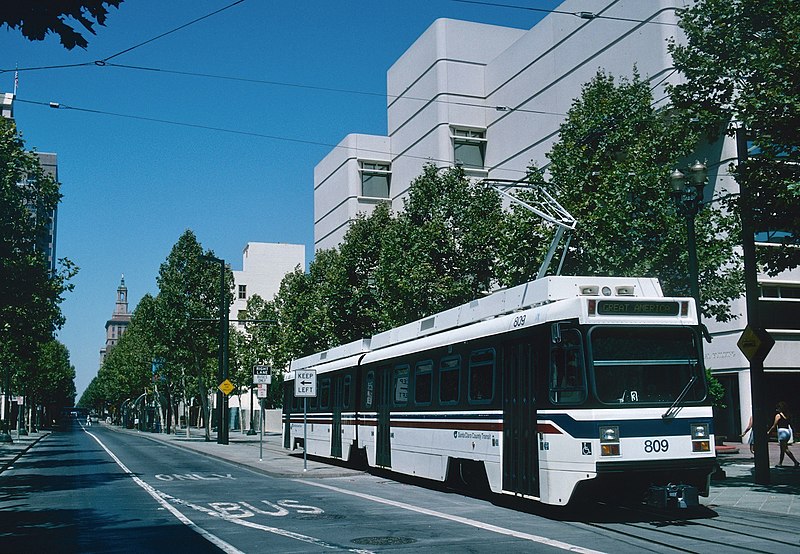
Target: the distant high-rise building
(120, 319)
(49, 163)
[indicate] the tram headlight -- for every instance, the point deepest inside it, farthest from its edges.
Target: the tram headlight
(609, 440)
(609, 433)
(700, 438)
(699, 431)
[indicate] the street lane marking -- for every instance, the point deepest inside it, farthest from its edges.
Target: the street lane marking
(458, 519)
(274, 530)
(213, 539)
(165, 499)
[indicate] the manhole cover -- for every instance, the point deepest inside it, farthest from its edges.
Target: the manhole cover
(383, 541)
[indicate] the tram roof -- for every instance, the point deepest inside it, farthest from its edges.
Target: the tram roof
(534, 293)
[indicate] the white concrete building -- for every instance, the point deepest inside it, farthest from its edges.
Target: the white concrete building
(264, 266)
(492, 99)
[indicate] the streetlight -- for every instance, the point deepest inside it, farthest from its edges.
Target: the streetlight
(688, 195)
(222, 373)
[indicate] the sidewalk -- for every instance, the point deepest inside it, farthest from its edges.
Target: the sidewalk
(738, 490)
(10, 451)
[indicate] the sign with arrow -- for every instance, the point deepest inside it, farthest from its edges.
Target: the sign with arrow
(305, 383)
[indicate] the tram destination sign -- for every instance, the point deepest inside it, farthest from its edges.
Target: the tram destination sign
(632, 307)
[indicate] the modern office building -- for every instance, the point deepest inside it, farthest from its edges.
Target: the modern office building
(264, 266)
(49, 163)
(120, 319)
(491, 99)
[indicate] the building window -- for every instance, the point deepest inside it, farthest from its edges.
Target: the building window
(469, 148)
(375, 179)
(242, 292)
(780, 291)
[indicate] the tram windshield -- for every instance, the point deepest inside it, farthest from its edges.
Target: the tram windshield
(646, 365)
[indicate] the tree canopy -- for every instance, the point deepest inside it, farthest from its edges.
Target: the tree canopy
(36, 19)
(610, 167)
(741, 62)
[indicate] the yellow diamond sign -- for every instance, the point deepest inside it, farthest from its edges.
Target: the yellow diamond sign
(755, 344)
(226, 387)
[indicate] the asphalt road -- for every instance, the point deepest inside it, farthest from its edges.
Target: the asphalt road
(97, 490)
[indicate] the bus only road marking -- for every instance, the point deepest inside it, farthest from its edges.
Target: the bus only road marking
(458, 519)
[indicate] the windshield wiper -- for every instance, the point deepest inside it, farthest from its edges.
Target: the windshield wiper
(672, 411)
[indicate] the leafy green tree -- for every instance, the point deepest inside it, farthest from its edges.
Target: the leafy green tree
(52, 385)
(37, 19)
(610, 169)
(442, 249)
(31, 292)
(741, 62)
(189, 297)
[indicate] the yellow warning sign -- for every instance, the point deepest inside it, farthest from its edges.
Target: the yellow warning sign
(226, 387)
(755, 344)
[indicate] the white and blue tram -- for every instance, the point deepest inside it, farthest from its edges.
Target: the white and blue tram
(562, 388)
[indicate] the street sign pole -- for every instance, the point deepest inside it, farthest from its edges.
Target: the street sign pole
(305, 386)
(261, 425)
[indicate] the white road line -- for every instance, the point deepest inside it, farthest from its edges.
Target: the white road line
(267, 528)
(213, 539)
(458, 519)
(164, 500)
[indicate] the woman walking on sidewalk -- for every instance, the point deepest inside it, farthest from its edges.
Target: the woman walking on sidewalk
(782, 424)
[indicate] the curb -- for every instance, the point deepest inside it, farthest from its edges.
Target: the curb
(4, 465)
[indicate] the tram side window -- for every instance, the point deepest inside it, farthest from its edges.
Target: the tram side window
(423, 383)
(369, 390)
(449, 379)
(567, 374)
(481, 376)
(325, 394)
(347, 391)
(400, 387)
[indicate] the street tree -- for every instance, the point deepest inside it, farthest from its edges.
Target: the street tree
(610, 168)
(441, 250)
(37, 19)
(31, 291)
(51, 386)
(741, 62)
(189, 300)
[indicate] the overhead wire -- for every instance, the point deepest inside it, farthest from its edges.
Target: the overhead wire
(59, 106)
(582, 14)
(105, 62)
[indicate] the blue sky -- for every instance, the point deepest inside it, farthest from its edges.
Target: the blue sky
(132, 186)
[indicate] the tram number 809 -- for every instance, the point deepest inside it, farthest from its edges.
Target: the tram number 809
(651, 446)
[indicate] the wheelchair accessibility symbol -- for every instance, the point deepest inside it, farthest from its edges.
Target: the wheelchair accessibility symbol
(586, 448)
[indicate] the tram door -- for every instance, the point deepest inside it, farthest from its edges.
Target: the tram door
(383, 444)
(520, 448)
(336, 424)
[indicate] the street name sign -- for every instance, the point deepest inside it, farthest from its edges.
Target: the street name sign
(305, 383)
(262, 375)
